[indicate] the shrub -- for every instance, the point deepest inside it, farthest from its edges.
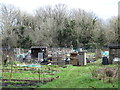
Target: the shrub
(107, 74)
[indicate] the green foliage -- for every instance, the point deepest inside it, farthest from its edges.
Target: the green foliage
(25, 42)
(101, 40)
(68, 35)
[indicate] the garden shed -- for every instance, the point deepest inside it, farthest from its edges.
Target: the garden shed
(114, 52)
(38, 49)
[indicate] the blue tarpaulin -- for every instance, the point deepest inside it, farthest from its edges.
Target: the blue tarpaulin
(30, 65)
(106, 53)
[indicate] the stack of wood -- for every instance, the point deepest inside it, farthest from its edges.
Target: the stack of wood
(78, 58)
(57, 61)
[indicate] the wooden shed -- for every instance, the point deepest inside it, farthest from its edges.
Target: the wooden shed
(74, 58)
(78, 59)
(114, 52)
(38, 49)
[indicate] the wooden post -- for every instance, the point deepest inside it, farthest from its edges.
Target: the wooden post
(85, 62)
(110, 56)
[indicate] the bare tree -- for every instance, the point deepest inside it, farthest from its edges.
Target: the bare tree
(86, 24)
(8, 15)
(49, 20)
(112, 30)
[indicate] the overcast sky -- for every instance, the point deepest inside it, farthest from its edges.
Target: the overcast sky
(104, 9)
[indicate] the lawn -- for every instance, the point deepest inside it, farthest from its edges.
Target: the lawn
(67, 77)
(79, 77)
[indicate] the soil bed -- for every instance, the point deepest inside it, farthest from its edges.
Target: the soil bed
(5, 82)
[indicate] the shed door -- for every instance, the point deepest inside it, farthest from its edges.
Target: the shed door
(40, 56)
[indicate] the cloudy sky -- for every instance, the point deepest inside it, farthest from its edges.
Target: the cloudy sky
(102, 8)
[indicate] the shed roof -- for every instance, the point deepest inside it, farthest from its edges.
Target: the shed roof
(38, 47)
(114, 46)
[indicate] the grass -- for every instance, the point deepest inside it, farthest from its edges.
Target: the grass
(80, 77)
(70, 77)
(75, 79)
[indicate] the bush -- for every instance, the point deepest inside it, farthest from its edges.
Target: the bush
(107, 74)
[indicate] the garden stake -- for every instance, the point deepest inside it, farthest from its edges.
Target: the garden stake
(39, 74)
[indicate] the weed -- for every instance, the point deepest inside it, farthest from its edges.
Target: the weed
(93, 72)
